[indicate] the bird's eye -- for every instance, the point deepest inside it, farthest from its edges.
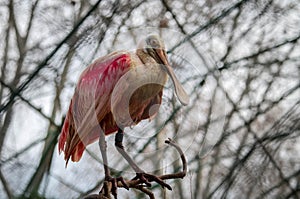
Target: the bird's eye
(153, 43)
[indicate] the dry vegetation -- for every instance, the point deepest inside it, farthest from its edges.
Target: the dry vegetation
(238, 60)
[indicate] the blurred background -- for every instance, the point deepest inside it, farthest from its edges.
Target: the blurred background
(238, 60)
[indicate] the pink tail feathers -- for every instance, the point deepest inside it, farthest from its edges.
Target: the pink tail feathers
(65, 144)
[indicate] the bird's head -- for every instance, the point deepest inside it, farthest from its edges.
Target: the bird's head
(154, 46)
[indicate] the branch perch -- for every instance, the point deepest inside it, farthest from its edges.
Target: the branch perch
(105, 192)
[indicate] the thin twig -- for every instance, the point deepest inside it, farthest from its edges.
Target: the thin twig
(39, 110)
(211, 22)
(23, 86)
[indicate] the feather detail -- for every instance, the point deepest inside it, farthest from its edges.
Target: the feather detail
(117, 90)
(86, 111)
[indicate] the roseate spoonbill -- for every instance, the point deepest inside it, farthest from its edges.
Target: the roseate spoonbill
(117, 91)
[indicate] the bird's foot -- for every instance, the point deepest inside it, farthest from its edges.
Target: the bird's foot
(146, 178)
(114, 185)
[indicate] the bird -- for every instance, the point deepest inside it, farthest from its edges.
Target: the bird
(114, 92)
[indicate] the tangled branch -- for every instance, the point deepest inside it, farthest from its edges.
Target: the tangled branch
(138, 184)
(43, 64)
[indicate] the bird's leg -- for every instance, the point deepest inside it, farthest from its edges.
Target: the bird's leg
(140, 174)
(103, 146)
(120, 148)
(108, 177)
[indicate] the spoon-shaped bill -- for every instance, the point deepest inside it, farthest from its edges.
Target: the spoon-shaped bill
(179, 90)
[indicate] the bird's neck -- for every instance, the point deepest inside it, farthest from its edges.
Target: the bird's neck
(151, 67)
(146, 71)
(145, 57)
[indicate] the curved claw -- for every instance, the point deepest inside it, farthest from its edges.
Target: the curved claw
(147, 178)
(114, 184)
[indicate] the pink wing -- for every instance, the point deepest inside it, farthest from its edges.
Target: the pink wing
(90, 103)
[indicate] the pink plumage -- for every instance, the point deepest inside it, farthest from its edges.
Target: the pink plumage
(116, 91)
(90, 108)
